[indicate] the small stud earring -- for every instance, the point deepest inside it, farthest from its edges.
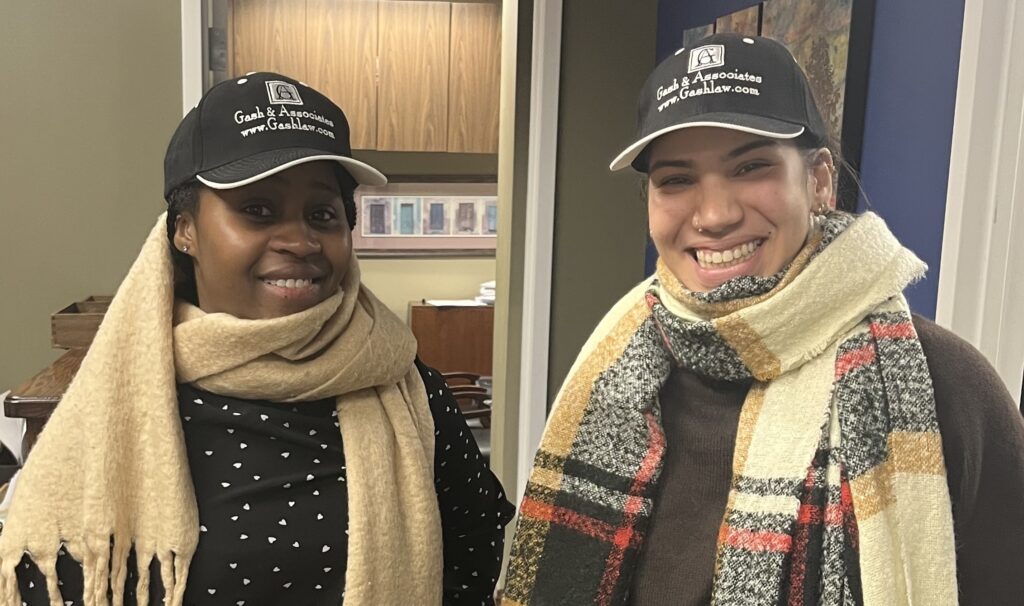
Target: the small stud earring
(184, 249)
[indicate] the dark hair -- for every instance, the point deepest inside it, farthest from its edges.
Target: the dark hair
(185, 198)
(348, 186)
(846, 183)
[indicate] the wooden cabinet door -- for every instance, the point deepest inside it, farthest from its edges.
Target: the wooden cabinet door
(475, 77)
(269, 35)
(341, 61)
(412, 100)
(454, 339)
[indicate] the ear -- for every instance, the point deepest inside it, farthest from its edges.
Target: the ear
(185, 232)
(822, 172)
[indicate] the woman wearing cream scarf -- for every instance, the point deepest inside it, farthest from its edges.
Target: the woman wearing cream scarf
(257, 431)
(762, 421)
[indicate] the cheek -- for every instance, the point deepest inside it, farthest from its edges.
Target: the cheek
(666, 218)
(782, 204)
(229, 253)
(786, 209)
(338, 250)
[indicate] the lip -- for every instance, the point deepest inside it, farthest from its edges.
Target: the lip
(723, 245)
(713, 278)
(295, 272)
(298, 294)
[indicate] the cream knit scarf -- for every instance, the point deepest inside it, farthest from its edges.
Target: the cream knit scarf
(109, 471)
(838, 493)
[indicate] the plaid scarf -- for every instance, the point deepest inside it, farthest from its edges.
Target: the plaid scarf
(838, 492)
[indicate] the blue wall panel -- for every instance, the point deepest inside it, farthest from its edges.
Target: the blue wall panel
(909, 126)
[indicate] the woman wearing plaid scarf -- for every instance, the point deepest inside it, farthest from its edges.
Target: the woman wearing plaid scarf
(763, 421)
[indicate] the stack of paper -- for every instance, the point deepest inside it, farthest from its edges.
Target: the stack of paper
(486, 295)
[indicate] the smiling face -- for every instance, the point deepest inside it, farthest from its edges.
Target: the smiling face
(725, 203)
(272, 248)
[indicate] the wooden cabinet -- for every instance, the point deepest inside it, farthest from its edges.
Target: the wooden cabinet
(475, 77)
(454, 339)
(412, 98)
(266, 36)
(342, 61)
(411, 75)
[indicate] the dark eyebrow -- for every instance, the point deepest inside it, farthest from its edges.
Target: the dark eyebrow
(669, 164)
(746, 147)
(739, 151)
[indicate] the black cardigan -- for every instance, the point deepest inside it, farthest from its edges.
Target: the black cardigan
(270, 486)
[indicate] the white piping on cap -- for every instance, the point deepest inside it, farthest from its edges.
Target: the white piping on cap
(369, 174)
(630, 153)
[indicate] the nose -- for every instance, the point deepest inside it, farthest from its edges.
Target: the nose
(296, 238)
(717, 210)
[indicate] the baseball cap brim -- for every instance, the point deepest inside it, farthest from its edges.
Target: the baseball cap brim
(756, 125)
(259, 166)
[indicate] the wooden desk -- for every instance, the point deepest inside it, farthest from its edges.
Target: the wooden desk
(35, 399)
(71, 328)
(454, 338)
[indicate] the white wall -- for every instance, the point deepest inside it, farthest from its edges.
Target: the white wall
(398, 281)
(981, 284)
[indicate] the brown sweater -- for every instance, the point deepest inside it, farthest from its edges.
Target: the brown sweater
(982, 440)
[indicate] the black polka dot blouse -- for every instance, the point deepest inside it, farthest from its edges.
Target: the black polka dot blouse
(270, 486)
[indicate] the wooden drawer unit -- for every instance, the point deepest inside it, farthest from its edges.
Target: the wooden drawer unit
(453, 339)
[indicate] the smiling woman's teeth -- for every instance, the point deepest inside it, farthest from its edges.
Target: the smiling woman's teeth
(720, 259)
(290, 283)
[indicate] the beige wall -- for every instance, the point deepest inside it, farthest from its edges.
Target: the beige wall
(600, 220)
(398, 281)
(92, 92)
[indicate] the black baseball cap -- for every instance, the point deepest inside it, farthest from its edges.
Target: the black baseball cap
(249, 128)
(746, 83)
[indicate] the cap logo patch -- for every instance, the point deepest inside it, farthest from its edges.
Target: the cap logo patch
(283, 92)
(712, 55)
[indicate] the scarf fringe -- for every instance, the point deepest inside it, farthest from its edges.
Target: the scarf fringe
(135, 487)
(104, 573)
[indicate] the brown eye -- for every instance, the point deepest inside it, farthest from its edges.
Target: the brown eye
(675, 180)
(324, 215)
(257, 210)
(750, 167)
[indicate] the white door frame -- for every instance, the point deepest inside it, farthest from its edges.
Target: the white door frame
(540, 219)
(191, 54)
(981, 276)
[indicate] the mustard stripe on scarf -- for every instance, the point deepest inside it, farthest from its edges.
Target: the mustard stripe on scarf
(838, 493)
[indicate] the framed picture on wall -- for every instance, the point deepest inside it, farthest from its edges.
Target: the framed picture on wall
(694, 34)
(426, 219)
(746, 21)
